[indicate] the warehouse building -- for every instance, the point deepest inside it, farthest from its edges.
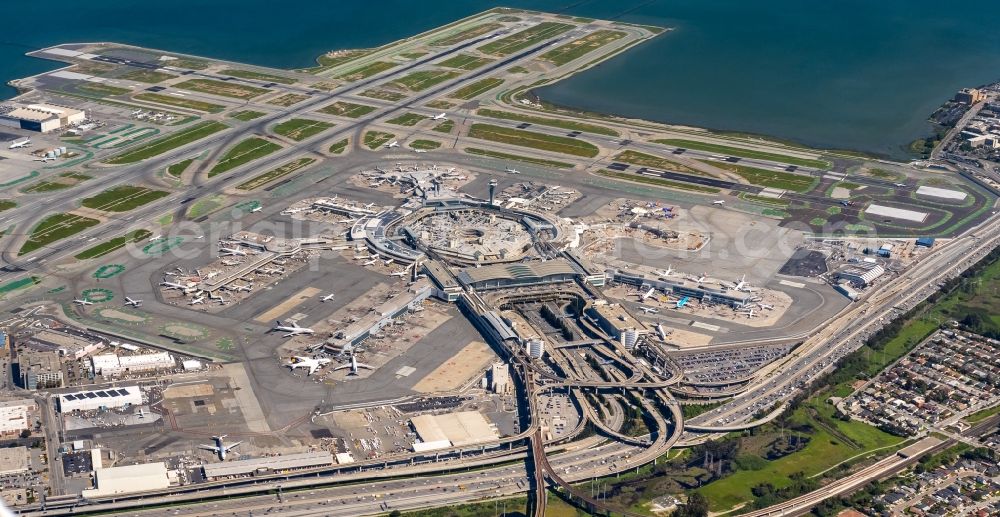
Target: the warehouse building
(109, 398)
(129, 479)
(861, 274)
(40, 117)
(112, 364)
(14, 460)
(14, 415)
(452, 429)
(267, 465)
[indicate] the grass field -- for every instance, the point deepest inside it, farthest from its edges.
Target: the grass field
(347, 109)
(299, 129)
(274, 174)
(189, 63)
(375, 139)
(424, 145)
(123, 198)
(112, 245)
(6, 204)
(979, 416)
(222, 88)
(339, 146)
(470, 33)
(659, 182)
(558, 144)
(166, 143)
(743, 153)
(831, 442)
(407, 119)
(574, 49)
(99, 89)
(413, 55)
(444, 127)
(180, 102)
(178, 168)
(335, 59)
(655, 162)
(768, 178)
(440, 104)
(60, 182)
(205, 206)
(570, 125)
(477, 88)
(243, 152)
(258, 76)
(465, 62)
(524, 39)
(385, 95)
(518, 158)
(54, 228)
(147, 76)
(367, 71)
(288, 99)
(423, 79)
(246, 115)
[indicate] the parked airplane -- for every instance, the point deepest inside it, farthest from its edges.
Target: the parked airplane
(220, 448)
(388, 261)
(701, 279)
(509, 170)
(442, 116)
(901, 184)
(648, 293)
(327, 297)
(172, 285)
(153, 238)
(419, 150)
(196, 301)
(354, 365)
(683, 301)
(719, 202)
(312, 363)
(362, 257)
(749, 313)
(292, 329)
(370, 262)
(133, 303)
(661, 332)
(741, 284)
(83, 302)
(392, 144)
(368, 206)
(256, 209)
(649, 310)
(44, 159)
(667, 272)
(14, 144)
(765, 306)
(401, 273)
(348, 221)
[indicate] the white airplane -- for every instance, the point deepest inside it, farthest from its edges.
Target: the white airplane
(272, 270)
(292, 329)
(328, 297)
(221, 300)
(667, 272)
(83, 302)
(649, 310)
(370, 262)
(401, 273)
(232, 251)
(44, 159)
(701, 279)
(748, 313)
(153, 238)
(14, 144)
(354, 365)
(142, 414)
(133, 303)
(196, 301)
(648, 293)
(719, 202)
(247, 288)
(220, 448)
(419, 151)
(172, 285)
(901, 184)
(510, 170)
(362, 257)
(765, 306)
(739, 286)
(348, 221)
(311, 363)
(388, 261)
(368, 206)
(442, 116)
(256, 209)
(390, 145)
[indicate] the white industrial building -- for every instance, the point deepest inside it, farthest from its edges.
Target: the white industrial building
(500, 378)
(100, 399)
(129, 479)
(40, 117)
(112, 364)
(452, 429)
(861, 274)
(14, 415)
(535, 348)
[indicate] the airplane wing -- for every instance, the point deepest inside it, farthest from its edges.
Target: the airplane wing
(343, 366)
(209, 448)
(313, 368)
(365, 366)
(232, 446)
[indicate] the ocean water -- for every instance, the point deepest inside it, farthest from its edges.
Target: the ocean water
(850, 74)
